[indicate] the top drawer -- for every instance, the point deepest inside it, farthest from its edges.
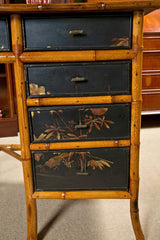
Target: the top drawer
(77, 32)
(4, 34)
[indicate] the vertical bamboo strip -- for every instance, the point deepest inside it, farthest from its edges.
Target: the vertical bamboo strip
(10, 91)
(137, 42)
(16, 31)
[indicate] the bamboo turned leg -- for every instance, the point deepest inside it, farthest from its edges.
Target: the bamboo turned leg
(134, 211)
(17, 43)
(31, 206)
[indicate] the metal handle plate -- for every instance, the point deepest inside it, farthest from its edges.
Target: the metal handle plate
(76, 32)
(78, 79)
(81, 126)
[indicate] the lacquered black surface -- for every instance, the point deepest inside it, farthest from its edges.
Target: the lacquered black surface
(85, 169)
(100, 31)
(100, 78)
(4, 34)
(95, 122)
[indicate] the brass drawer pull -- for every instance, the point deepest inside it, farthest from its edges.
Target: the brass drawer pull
(81, 126)
(82, 173)
(78, 79)
(76, 32)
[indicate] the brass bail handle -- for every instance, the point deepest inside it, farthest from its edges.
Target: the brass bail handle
(81, 126)
(76, 32)
(78, 79)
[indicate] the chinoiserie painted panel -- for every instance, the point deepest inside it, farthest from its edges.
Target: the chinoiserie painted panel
(76, 32)
(87, 122)
(85, 169)
(5, 44)
(78, 79)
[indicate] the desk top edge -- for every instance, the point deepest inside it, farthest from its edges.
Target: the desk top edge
(109, 6)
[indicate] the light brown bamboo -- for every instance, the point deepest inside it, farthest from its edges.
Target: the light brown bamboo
(78, 100)
(110, 5)
(14, 147)
(76, 56)
(79, 145)
(7, 57)
(83, 195)
(137, 45)
(58, 56)
(114, 55)
(11, 153)
(136, 122)
(9, 78)
(16, 30)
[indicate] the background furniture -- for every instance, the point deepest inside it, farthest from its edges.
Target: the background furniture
(151, 64)
(8, 124)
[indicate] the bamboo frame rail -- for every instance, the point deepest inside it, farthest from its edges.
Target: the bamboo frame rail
(137, 42)
(77, 56)
(83, 195)
(78, 145)
(16, 32)
(78, 100)
(11, 153)
(7, 57)
(92, 5)
(15, 147)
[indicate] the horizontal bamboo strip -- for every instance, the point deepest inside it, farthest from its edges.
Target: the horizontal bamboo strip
(78, 100)
(109, 5)
(58, 56)
(11, 153)
(83, 195)
(76, 56)
(7, 57)
(102, 55)
(15, 147)
(79, 145)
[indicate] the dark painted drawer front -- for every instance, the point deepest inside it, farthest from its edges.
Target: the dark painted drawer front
(86, 169)
(75, 32)
(78, 79)
(4, 34)
(75, 123)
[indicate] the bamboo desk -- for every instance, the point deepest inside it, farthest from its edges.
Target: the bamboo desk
(86, 129)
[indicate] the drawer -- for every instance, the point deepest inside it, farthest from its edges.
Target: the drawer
(4, 34)
(85, 169)
(151, 100)
(76, 32)
(78, 79)
(151, 81)
(76, 123)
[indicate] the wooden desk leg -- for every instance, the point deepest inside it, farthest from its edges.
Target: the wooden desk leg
(134, 211)
(31, 206)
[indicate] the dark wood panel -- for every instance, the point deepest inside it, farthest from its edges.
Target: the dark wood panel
(151, 61)
(8, 127)
(75, 32)
(151, 42)
(151, 80)
(78, 79)
(151, 22)
(87, 122)
(151, 101)
(86, 169)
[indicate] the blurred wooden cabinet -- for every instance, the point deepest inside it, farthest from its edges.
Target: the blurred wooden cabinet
(8, 123)
(151, 64)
